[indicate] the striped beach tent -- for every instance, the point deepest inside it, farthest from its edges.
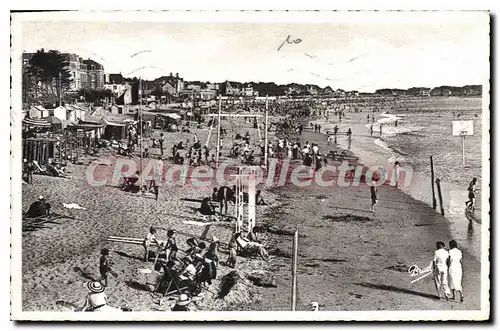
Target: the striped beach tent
(40, 122)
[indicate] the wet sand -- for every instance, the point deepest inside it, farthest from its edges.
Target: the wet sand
(352, 259)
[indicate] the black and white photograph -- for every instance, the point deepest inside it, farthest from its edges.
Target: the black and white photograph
(250, 165)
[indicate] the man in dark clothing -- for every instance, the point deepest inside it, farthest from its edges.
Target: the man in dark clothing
(29, 167)
(373, 193)
(160, 141)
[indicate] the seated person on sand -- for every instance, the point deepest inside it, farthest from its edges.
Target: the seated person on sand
(55, 169)
(154, 278)
(189, 271)
(96, 300)
(39, 208)
(206, 208)
(259, 200)
(249, 247)
(195, 246)
(133, 180)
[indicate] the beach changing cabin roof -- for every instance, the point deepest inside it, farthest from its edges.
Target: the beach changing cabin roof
(40, 122)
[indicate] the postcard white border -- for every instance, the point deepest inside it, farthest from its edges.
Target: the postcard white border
(234, 16)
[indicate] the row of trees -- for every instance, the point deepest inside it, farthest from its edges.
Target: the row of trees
(45, 76)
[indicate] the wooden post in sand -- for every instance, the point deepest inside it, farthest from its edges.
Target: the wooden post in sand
(432, 185)
(217, 150)
(294, 268)
(438, 183)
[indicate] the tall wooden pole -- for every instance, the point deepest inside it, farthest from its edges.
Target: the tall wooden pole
(218, 133)
(294, 269)
(463, 150)
(266, 147)
(140, 125)
(60, 89)
(434, 204)
(438, 183)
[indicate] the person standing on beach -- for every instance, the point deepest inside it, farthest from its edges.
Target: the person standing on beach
(470, 204)
(455, 270)
(381, 130)
(104, 266)
(371, 130)
(160, 141)
(367, 118)
(397, 171)
(373, 193)
(150, 239)
(440, 268)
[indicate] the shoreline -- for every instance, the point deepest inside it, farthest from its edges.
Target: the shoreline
(426, 227)
(372, 153)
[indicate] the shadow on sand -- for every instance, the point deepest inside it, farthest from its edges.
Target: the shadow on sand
(37, 223)
(136, 286)
(398, 290)
(129, 256)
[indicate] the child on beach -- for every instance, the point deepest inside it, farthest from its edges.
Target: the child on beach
(104, 266)
(150, 239)
(373, 192)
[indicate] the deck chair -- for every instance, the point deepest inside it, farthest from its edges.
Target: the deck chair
(247, 248)
(38, 168)
(173, 283)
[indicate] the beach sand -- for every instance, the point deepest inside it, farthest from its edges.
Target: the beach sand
(344, 250)
(352, 259)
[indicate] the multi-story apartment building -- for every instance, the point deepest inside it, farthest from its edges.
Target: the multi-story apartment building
(95, 75)
(84, 73)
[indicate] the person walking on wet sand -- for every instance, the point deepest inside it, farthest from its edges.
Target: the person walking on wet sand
(371, 130)
(470, 204)
(381, 130)
(440, 268)
(373, 193)
(455, 270)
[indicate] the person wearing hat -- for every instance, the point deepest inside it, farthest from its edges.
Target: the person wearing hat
(96, 300)
(182, 303)
(39, 208)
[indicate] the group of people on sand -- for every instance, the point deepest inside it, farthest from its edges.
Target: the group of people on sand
(221, 197)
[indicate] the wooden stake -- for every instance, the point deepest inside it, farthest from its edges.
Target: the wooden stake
(434, 204)
(438, 183)
(294, 269)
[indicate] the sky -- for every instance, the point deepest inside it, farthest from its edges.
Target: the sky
(357, 54)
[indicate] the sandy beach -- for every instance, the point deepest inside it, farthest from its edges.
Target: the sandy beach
(352, 259)
(349, 258)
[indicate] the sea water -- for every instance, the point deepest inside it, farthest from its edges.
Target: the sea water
(424, 128)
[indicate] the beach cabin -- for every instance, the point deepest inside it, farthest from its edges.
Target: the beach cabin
(75, 113)
(61, 113)
(38, 112)
(116, 109)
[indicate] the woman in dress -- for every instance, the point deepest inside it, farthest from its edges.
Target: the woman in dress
(455, 270)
